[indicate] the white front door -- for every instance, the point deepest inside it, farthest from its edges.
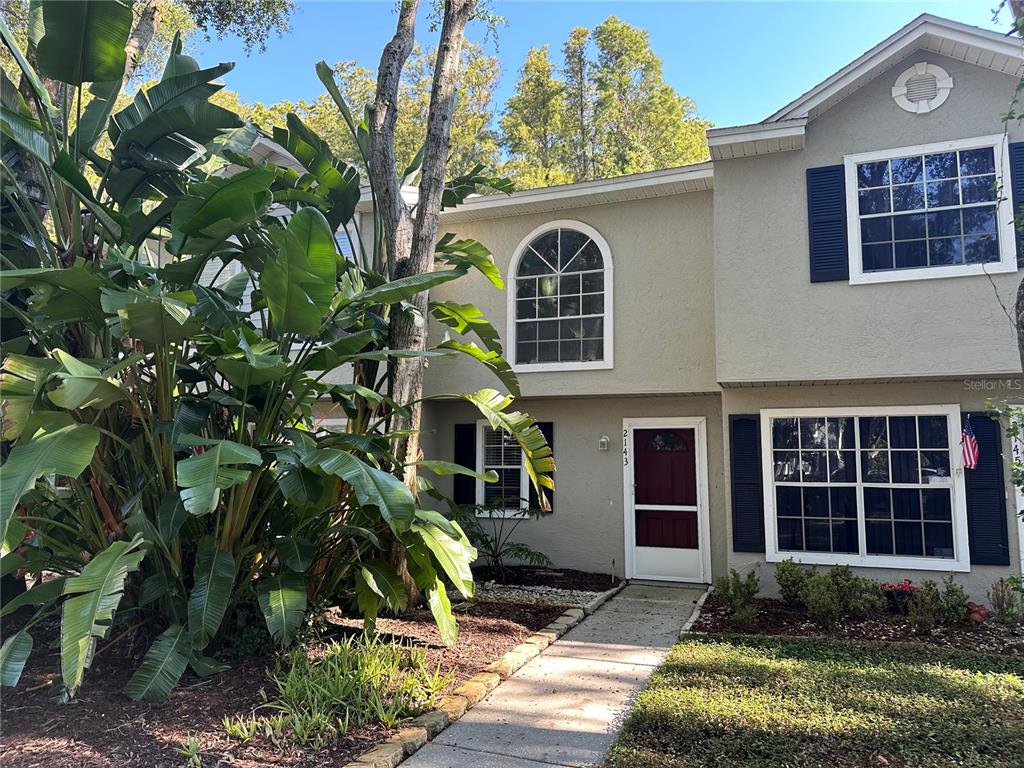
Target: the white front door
(666, 515)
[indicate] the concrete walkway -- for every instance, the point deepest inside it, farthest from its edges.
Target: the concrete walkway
(564, 707)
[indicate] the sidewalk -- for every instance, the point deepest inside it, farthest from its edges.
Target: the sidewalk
(564, 707)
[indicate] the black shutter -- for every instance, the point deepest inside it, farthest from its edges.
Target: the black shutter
(464, 487)
(1017, 192)
(747, 490)
(986, 496)
(547, 429)
(826, 224)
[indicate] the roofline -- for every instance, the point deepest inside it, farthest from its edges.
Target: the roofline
(903, 38)
(655, 183)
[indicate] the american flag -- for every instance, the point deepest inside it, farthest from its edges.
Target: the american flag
(970, 446)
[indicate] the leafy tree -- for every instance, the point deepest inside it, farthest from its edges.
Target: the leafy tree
(617, 114)
(473, 140)
(531, 125)
(170, 329)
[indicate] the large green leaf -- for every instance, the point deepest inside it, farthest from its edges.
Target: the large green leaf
(21, 379)
(450, 468)
(282, 599)
(83, 41)
(454, 555)
(493, 361)
(406, 287)
(162, 666)
(42, 592)
(441, 608)
(70, 293)
(237, 199)
(373, 487)
(205, 474)
(295, 552)
(465, 319)
(381, 577)
(213, 577)
(66, 451)
(82, 386)
(469, 253)
(13, 655)
(539, 461)
(158, 323)
(96, 594)
(300, 280)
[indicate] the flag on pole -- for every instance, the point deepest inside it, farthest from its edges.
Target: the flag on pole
(970, 445)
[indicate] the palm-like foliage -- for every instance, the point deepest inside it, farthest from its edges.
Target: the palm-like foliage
(173, 310)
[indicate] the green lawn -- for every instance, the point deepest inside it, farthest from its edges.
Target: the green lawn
(747, 701)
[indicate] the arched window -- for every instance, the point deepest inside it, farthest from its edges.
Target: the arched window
(560, 299)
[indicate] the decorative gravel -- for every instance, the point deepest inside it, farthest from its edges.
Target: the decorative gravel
(490, 591)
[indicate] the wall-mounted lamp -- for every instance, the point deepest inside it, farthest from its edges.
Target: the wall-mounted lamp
(604, 443)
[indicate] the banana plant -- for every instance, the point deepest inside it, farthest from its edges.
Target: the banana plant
(173, 311)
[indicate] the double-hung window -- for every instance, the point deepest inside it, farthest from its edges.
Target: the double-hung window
(499, 452)
(937, 210)
(865, 486)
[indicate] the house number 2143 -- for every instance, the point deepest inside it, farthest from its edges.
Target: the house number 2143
(625, 447)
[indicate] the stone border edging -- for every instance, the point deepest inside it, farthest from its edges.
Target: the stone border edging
(695, 615)
(420, 730)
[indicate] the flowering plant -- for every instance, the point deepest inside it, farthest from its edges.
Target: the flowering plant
(899, 594)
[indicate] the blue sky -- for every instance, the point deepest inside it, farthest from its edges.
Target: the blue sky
(739, 61)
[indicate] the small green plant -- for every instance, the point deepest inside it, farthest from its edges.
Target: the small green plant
(737, 591)
(744, 618)
(844, 580)
(791, 578)
(821, 599)
(351, 683)
(190, 751)
(865, 598)
(925, 607)
(241, 728)
(1004, 601)
(953, 609)
(900, 594)
(491, 532)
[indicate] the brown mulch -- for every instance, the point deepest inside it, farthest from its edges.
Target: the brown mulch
(562, 578)
(775, 618)
(102, 727)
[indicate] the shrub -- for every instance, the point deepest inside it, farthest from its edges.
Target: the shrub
(491, 532)
(744, 618)
(899, 595)
(1004, 602)
(924, 607)
(791, 577)
(864, 599)
(821, 599)
(953, 609)
(737, 592)
(844, 581)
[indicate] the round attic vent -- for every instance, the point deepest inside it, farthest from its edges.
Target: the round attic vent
(922, 88)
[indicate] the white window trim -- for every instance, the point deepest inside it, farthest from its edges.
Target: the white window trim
(1004, 214)
(524, 480)
(606, 254)
(961, 562)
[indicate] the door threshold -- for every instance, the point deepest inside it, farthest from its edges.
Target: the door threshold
(668, 583)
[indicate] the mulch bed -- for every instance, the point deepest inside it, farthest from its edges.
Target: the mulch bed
(775, 618)
(102, 727)
(562, 578)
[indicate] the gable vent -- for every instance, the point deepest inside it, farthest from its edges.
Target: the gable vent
(922, 88)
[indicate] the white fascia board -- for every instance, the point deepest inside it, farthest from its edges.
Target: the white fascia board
(895, 47)
(756, 139)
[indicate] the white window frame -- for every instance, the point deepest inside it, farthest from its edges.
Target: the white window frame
(607, 360)
(524, 480)
(1004, 214)
(960, 562)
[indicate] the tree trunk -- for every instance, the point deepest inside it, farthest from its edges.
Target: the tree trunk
(141, 37)
(410, 242)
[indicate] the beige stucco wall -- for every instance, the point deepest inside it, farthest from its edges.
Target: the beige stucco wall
(587, 528)
(970, 394)
(663, 313)
(773, 324)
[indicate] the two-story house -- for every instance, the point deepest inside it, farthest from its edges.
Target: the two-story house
(772, 354)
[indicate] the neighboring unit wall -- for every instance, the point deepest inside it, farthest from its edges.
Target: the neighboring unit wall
(970, 394)
(586, 529)
(773, 324)
(663, 313)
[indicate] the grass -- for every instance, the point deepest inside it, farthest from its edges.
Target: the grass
(747, 701)
(361, 680)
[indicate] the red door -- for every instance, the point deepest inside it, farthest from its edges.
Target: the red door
(665, 477)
